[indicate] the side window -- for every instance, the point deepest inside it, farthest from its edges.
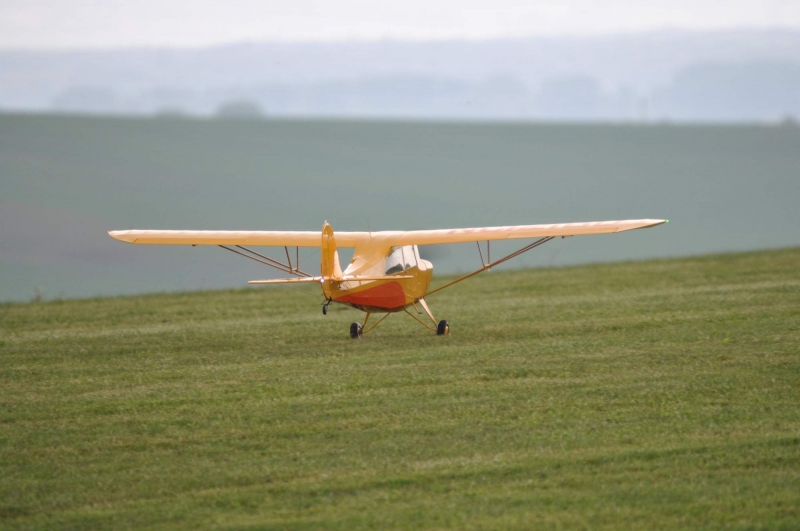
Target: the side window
(409, 257)
(394, 262)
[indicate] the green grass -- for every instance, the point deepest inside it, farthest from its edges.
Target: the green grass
(650, 395)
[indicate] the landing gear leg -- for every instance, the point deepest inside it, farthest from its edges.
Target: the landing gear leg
(358, 330)
(442, 327)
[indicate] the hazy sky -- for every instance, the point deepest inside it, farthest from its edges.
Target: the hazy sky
(116, 23)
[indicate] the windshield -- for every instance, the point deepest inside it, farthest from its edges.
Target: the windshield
(400, 259)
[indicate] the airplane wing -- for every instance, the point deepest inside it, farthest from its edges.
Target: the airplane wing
(233, 237)
(428, 237)
(383, 238)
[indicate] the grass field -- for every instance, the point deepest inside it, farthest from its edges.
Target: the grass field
(649, 395)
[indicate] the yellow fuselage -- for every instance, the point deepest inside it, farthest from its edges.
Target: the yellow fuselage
(381, 295)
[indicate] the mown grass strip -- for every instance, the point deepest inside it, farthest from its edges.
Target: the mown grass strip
(658, 395)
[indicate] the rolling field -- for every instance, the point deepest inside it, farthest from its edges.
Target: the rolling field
(66, 180)
(642, 395)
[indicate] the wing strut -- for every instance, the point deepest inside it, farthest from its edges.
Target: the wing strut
(525, 249)
(488, 252)
(266, 260)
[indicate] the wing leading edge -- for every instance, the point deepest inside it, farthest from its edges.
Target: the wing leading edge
(430, 237)
(233, 237)
(383, 238)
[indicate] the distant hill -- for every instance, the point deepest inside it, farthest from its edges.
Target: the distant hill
(731, 75)
(66, 180)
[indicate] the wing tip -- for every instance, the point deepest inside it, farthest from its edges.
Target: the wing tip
(642, 224)
(122, 235)
(655, 223)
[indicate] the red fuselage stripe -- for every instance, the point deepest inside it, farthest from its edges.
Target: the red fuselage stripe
(388, 296)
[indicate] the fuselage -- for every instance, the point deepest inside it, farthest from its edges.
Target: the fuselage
(389, 295)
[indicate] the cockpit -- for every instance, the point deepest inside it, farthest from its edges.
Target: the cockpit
(403, 258)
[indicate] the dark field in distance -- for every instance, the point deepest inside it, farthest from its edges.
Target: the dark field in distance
(66, 180)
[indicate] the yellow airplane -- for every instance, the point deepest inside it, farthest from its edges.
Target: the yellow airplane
(386, 274)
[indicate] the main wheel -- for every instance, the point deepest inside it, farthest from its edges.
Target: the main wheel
(355, 331)
(324, 309)
(443, 328)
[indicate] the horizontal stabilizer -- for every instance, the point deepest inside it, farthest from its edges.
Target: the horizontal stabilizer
(351, 278)
(304, 280)
(348, 278)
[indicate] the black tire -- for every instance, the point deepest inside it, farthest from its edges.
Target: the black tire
(324, 309)
(355, 331)
(443, 328)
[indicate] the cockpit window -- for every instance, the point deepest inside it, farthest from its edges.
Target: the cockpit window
(400, 259)
(409, 256)
(394, 262)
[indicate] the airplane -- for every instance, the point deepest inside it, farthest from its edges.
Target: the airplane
(387, 274)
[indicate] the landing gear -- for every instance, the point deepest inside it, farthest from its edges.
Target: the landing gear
(356, 332)
(325, 307)
(442, 327)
